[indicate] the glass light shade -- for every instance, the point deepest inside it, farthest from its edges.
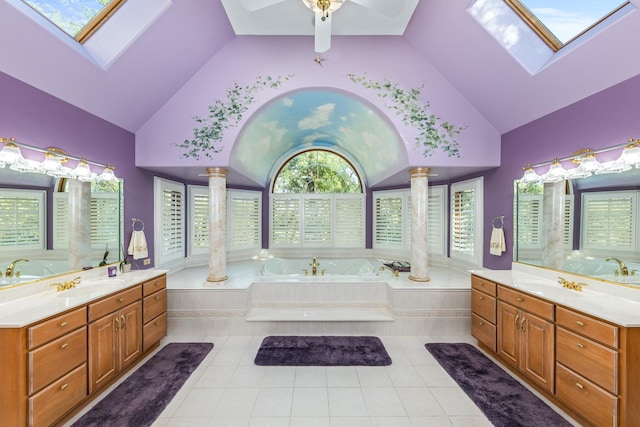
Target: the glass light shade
(10, 154)
(25, 165)
(326, 6)
(556, 173)
(82, 172)
(530, 176)
(107, 174)
(588, 166)
(631, 155)
(52, 166)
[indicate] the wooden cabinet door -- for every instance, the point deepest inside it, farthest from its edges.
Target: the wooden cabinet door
(537, 350)
(509, 333)
(130, 339)
(103, 351)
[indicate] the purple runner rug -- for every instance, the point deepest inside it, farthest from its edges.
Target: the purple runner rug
(140, 399)
(502, 399)
(322, 351)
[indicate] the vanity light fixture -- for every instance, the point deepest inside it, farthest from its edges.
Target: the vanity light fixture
(587, 163)
(54, 158)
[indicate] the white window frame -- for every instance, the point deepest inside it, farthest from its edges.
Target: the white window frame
(40, 197)
(160, 185)
(475, 256)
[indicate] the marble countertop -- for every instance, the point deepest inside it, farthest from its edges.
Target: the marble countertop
(41, 300)
(609, 302)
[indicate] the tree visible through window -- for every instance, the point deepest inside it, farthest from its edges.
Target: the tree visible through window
(317, 171)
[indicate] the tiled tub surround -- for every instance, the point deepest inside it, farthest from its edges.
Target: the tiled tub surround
(580, 349)
(249, 304)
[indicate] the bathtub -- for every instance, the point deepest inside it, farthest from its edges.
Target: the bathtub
(34, 269)
(327, 268)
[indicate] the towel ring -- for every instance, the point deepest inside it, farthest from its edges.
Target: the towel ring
(500, 223)
(139, 222)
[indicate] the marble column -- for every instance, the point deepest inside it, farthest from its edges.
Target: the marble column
(80, 225)
(217, 231)
(553, 224)
(419, 210)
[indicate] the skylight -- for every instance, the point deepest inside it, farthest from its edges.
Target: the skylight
(560, 22)
(78, 18)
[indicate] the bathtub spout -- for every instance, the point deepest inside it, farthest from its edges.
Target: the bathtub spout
(314, 267)
(11, 269)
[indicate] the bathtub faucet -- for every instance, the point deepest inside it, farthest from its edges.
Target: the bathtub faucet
(623, 268)
(314, 267)
(12, 266)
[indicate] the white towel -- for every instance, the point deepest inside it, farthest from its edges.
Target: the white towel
(138, 245)
(497, 243)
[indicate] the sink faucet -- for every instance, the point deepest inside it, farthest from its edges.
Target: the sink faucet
(66, 285)
(623, 268)
(314, 267)
(12, 266)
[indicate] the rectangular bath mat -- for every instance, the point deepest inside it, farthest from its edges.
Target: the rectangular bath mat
(322, 351)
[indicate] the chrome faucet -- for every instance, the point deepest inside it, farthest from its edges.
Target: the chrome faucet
(314, 267)
(12, 266)
(623, 267)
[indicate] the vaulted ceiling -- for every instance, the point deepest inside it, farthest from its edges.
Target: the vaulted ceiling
(183, 35)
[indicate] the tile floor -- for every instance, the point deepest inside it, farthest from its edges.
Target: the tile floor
(228, 390)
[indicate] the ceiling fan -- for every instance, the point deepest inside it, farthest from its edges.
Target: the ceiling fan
(323, 9)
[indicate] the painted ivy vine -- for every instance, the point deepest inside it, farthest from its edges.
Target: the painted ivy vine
(224, 114)
(435, 133)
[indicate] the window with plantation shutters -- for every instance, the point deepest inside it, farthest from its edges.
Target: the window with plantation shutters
(568, 222)
(389, 224)
(198, 224)
(349, 223)
(436, 230)
(529, 221)
(244, 219)
(22, 225)
(466, 213)
(169, 221)
(104, 223)
(285, 220)
(316, 228)
(610, 221)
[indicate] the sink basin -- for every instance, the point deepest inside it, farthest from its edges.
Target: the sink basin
(632, 280)
(84, 292)
(546, 289)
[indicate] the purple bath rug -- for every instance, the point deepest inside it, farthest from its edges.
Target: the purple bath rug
(322, 351)
(138, 400)
(502, 399)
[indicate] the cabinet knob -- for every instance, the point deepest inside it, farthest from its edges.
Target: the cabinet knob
(158, 323)
(481, 298)
(580, 386)
(157, 297)
(579, 323)
(580, 345)
(519, 299)
(63, 386)
(63, 324)
(63, 346)
(120, 299)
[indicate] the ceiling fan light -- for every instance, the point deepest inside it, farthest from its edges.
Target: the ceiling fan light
(325, 7)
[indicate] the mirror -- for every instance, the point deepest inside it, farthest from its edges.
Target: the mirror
(40, 231)
(587, 226)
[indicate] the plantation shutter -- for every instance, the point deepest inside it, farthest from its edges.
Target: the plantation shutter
(529, 221)
(349, 224)
(199, 221)
(285, 220)
(609, 221)
(462, 222)
(317, 220)
(436, 230)
(568, 222)
(60, 220)
(171, 220)
(22, 220)
(388, 221)
(245, 219)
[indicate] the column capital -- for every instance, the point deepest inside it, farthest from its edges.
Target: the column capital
(217, 172)
(419, 172)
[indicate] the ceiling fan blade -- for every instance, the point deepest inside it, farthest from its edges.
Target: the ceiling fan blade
(323, 33)
(389, 8)
(254, 5)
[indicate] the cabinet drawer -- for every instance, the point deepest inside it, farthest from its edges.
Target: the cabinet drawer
(154, 331)
(483, 331)
(588, 358)
(114, 302)
(154, 305)
(483, 305)
(55, 359)
(57, 399)
(588, 326)
(586, 398)
(483, 285)
(154, 285)
(526, 302)
(53, 328)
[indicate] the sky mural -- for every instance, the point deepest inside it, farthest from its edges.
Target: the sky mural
(318, 118)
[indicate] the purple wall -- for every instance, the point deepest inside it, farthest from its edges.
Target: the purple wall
(36, 118)
(607, 118)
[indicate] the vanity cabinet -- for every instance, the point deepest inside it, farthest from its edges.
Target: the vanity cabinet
(483, 311)
(54, 366)
(586, 365)
(115, 335)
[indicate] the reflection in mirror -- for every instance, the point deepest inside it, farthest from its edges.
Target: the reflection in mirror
(586, 226)
(51, 226)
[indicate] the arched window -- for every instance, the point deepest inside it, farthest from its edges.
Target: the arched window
(317, 171)
(317, 202)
